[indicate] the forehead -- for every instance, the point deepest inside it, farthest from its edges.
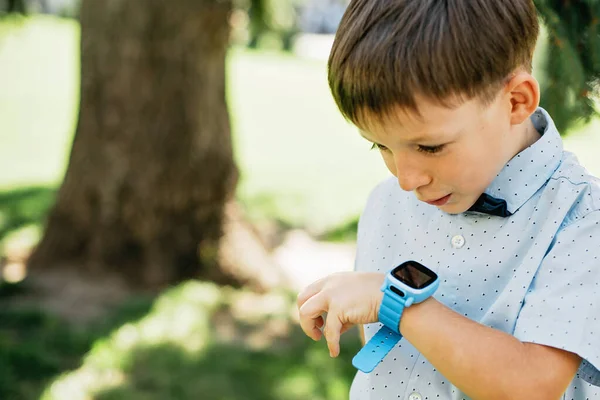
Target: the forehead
(429, 120)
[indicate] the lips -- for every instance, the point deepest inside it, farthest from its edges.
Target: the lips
(440, 201)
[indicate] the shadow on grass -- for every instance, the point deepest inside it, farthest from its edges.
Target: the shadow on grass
(36, 347)
(300, 371)
(194, 341)
(24, 207)
(285, 364)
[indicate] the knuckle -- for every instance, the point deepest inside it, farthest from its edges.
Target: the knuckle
(302, 312)
(299, 299)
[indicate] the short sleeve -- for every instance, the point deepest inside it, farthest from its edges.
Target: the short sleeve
(366, 225)
(360, 251)
(562, 307)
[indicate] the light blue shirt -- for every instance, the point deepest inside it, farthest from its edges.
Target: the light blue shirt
(534, 274)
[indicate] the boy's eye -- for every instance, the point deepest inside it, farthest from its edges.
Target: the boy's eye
(379, 147)
(431, 149)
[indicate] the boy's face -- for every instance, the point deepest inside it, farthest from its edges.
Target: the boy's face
(449, 154)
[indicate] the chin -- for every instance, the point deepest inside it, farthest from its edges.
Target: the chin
(455, 208)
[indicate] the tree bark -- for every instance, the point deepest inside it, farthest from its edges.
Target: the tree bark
(151, 167)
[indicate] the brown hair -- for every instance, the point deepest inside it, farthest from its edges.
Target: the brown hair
(386, 52)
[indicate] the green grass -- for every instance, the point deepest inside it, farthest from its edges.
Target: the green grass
(22, 208)
(36, 348)
(189, 343)
(297, 155)
(38, 99)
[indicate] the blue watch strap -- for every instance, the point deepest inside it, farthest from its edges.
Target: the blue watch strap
(376, 349)
(391, 310)
(397, 295)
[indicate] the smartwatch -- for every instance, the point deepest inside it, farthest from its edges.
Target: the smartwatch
(407, 284)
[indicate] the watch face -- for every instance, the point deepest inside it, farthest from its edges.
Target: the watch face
(414, 275)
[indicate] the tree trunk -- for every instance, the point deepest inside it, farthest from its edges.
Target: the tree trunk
(151, 167)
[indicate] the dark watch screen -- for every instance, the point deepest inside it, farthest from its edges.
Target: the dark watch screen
(415, 275)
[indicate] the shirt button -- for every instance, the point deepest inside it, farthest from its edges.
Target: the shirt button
(415, 396)
(458, 241)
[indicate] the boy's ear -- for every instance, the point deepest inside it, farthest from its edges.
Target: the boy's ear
(523, 92)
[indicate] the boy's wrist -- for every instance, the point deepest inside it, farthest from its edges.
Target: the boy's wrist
(405, 288)
(412, 314)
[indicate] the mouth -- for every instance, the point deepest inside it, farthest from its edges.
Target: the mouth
(440, 202)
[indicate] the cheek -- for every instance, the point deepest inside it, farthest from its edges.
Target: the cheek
(388, 159)
(479, 166)
(471, 179)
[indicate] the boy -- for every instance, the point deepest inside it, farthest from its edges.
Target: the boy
(483, 195)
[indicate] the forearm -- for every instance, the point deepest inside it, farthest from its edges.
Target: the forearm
(483, 362)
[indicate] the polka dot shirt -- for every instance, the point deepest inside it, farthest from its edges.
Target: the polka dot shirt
(534, 274)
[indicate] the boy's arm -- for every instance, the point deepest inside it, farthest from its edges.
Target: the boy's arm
(483, 362)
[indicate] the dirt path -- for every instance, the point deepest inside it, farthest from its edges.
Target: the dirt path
(301, 258)
(305, 260)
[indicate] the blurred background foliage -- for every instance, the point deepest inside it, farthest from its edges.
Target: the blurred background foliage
(302, 167)
(195, 341)
(570, 65)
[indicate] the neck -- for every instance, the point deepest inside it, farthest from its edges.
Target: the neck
(529, 135)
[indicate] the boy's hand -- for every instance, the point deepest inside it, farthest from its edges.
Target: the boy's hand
(348, 298)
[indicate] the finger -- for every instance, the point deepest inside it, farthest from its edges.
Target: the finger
(309, 292)
(332, 331)
(311, 316)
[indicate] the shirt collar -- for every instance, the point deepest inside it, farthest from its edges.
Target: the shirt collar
(525, 173)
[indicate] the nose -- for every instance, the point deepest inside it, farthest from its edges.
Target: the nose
(411, 175)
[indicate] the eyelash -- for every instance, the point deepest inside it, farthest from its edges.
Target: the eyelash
(378, 147)
(431, 149)
(422, 149)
